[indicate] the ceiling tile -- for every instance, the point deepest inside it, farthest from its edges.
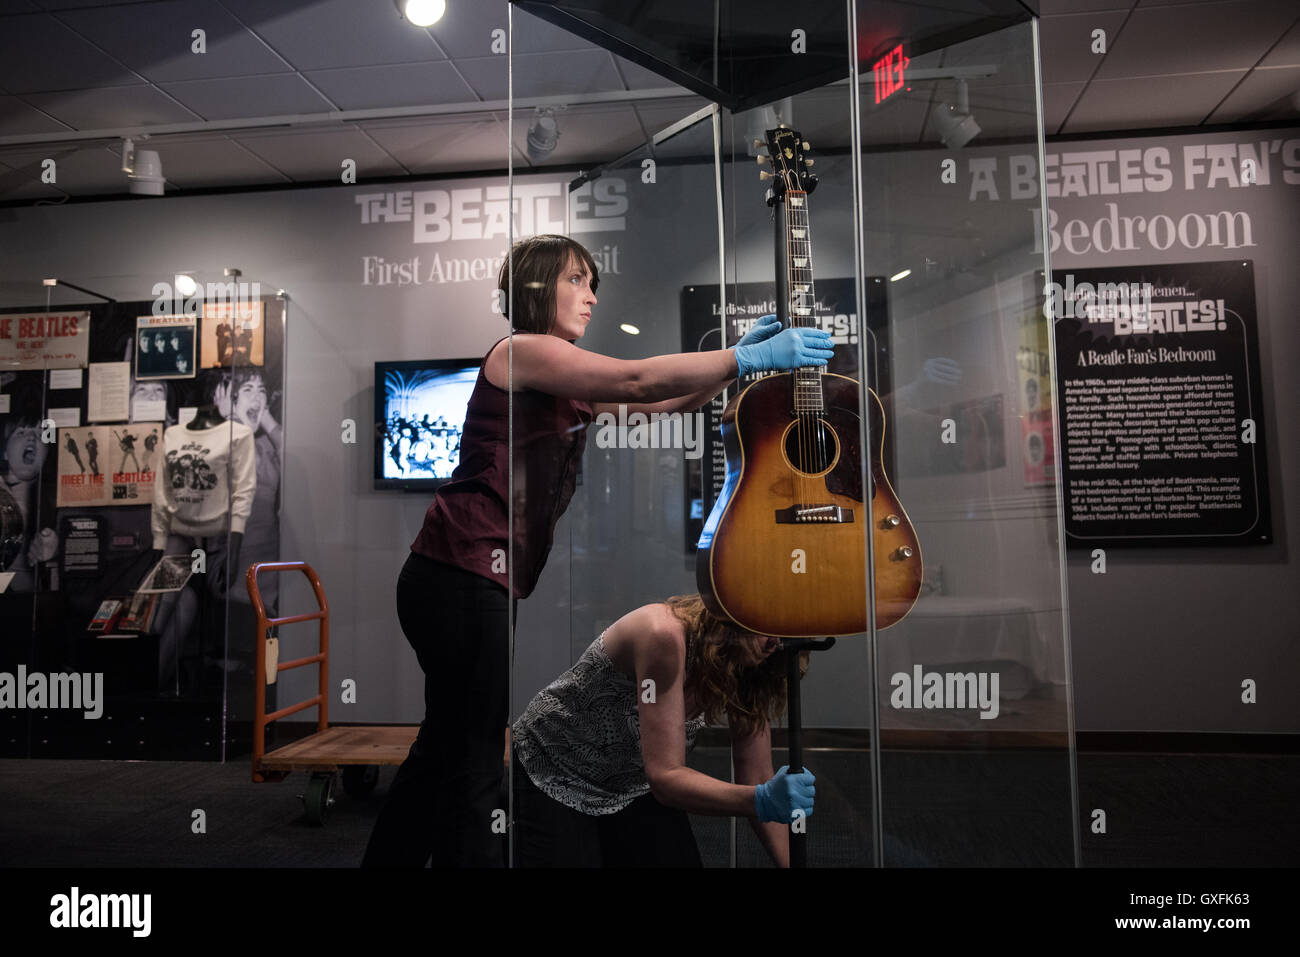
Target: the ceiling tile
(1287, 51)
(242, 96)
(443, 145)
(38, 53)
(19, 119)
(336, 33)
(1196, 38)
(156, 42)
(1257, 96)
(404, 84)
(543, 74)
(467, 31)
(318, 156)
(84, 171)
(111, 107)
(1067, 44)
(1161, 101)
(209, 162)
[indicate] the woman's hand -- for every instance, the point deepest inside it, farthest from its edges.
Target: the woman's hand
(765, 327)
(785, 794)
(794, 348)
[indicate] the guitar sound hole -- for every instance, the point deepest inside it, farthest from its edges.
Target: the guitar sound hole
(811, 445)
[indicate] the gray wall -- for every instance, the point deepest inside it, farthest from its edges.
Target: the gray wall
(1160, 643)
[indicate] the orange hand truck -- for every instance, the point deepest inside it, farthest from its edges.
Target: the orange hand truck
(358, 751)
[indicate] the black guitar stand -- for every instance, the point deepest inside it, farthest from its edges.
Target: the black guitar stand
(794, 708)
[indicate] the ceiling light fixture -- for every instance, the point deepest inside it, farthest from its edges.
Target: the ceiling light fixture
(544, 134)
(422, 13)
(630, 329)
(900, 275)
(146, 176)
(955, 124)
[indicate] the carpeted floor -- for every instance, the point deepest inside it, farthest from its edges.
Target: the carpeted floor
(941, 809)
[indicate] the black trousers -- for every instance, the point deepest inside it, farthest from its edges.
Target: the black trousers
(441, 804)
(643, 834)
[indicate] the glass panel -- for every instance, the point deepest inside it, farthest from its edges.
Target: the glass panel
(975, 715)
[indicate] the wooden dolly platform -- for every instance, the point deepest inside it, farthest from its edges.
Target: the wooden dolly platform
(358, 751)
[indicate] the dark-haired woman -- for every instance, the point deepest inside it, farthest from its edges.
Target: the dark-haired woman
(463, 576)
(600, 775)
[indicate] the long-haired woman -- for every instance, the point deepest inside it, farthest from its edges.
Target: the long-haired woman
(600, 775)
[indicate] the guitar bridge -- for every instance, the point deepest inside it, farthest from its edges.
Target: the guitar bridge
(810, 514)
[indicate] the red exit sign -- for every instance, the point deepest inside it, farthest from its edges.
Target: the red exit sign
(889, 73)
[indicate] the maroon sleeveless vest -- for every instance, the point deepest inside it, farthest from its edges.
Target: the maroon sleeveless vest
(466, 524)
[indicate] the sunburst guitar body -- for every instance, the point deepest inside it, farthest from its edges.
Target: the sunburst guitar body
(784, 549)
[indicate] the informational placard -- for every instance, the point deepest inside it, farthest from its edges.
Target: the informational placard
(65, 379)
(164, 347)
(1161, 411)
(233, 334)
(835, 311)
(108, 465)
(82, 552)
(44, 340)
(109, 395)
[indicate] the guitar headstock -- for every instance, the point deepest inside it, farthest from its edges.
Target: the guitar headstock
(790, 168)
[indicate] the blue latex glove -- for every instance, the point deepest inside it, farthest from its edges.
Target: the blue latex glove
(765, 327)
(791, 349)
(785, 793)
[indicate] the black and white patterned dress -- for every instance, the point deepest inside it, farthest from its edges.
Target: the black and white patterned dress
(579, 739)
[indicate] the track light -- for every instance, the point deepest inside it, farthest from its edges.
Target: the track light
(146, 176)
(955, 124)
(422, 13)
(543, 134)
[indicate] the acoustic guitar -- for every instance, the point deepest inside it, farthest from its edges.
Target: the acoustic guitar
(784, 550)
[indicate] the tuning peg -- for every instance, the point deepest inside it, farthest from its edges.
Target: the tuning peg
(764, 175)
(809, 162)
(761, 160)
(783, 126)
(758, 144)
(806, 146)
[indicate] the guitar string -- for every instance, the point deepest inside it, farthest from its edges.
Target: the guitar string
(823, 454)
(801, 417)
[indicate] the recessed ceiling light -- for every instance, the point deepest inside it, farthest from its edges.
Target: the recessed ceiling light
(423, 13)
(630, 329)
(900, 275)
(185, 285)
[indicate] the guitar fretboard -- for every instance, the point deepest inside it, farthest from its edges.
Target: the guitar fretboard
(799, 271)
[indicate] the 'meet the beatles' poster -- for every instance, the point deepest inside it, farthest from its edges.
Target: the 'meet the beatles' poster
(108, 464)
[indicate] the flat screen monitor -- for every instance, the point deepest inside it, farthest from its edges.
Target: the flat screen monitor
(419, 420)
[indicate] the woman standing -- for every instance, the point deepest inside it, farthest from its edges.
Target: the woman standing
(464, 576)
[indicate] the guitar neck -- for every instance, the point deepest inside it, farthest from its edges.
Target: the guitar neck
(802, 297)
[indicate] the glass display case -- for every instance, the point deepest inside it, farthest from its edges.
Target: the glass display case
(901, 142)
(143, 472)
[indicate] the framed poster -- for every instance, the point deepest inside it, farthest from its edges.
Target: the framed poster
(107, 464)
(164, 347)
